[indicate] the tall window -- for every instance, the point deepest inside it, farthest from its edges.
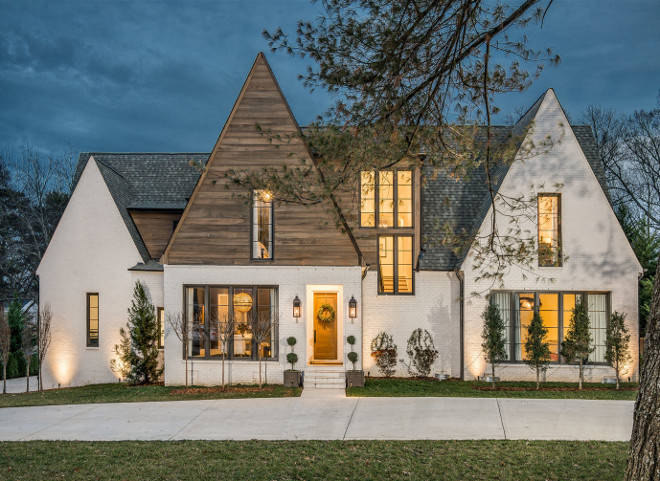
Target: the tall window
(549, 239)
(262, 225)
(386, 198)
(556, 310)
(251, 332)
(92, 320)
(395, 269)
(160, 318)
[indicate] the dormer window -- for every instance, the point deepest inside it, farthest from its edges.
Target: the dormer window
(549, 239)
(262, 225)
(386, 199)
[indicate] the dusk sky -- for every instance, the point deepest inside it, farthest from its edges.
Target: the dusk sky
(162, 76)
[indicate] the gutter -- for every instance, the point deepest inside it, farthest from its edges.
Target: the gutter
(461, 277)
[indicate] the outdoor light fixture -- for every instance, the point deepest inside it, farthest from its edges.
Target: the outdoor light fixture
(352, 308)
(296, 307)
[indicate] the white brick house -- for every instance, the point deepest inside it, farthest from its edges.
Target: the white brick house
(207, 255)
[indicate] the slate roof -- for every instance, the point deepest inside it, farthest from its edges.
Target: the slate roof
(166, 181)
(145, 181)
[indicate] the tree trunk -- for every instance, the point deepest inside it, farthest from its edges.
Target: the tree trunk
(492, 376)
(259, 357)
(538, 382)
(4, 378)
(617, 374)
(27, 374)
(40, 383)
(186, 366)
(223, 369)
(581, 376)
(642, 454)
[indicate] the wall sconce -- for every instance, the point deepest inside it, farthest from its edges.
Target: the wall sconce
(352, 308)
(296, 307)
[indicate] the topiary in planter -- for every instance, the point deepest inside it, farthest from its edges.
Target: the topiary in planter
(353, 357)
(292, 358)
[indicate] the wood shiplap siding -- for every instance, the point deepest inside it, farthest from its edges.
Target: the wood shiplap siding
(215, 228)
(156, 229)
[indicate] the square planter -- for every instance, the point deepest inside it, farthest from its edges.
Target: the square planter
(292, 379)
(354, 378)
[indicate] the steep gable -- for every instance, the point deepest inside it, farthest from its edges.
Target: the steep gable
(215, 227)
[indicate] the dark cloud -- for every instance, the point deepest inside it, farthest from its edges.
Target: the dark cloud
(163, 75)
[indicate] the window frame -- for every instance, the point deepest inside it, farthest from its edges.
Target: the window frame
(560, 250)
(395, 250)
(89, 341)
(514, 320)
(395, 188)
(272, 232)
(230, 309)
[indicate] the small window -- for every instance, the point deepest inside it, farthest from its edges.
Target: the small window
(395, 267)
(92, 320)
(549, 238)
(160, 317)
(386, 199)
(262, 225)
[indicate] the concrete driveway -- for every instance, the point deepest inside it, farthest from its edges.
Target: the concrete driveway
(324, 415)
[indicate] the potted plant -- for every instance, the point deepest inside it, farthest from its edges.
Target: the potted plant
(292, 376)
(354, 377)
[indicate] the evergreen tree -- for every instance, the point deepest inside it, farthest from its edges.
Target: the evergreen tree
(138, 351)
(16, 319)
(576, 347)
(537, 347)
(494, 340)
(616, 353)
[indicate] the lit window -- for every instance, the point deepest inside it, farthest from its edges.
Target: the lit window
(556, 310)
(262, 225)
(92, 320)
(160, 317)
(549, 230)
(237, 321)
(386, 198)
(395, 268)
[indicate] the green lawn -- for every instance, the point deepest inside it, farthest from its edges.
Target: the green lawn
(111, 393)
(396, 387)
(313, 460)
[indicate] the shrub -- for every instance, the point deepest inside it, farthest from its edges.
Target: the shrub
(576, 346)
(617, 342)
(384, 351)
(353, 357)
(292, 358)
(350, 340)
(421, 352)
(537, 347)
(494, 342)
(291, 341)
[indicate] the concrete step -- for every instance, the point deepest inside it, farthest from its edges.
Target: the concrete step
(325, 378)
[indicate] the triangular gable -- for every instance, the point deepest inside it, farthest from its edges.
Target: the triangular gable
(215, 226)
(550, 117)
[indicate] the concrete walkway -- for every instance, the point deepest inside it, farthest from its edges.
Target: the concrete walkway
(326, 415)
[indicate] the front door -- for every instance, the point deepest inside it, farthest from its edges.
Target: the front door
(325, 326)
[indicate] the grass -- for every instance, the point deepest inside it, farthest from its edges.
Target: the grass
(113, 393)
(313, 460)
(399, 387)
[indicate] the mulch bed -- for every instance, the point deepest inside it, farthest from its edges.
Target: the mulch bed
(558, 389)
(226, 389)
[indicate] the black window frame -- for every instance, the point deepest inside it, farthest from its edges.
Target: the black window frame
(560, 250)
(161, 327)
(396, 199)
(207, 325)
(90, 342)
(514, 319)
(395, 249)
(272, 232)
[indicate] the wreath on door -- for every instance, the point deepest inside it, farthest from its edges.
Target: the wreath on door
(326, 314)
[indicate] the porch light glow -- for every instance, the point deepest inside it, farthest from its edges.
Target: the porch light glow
(352, 308)
(296, 307)
(243, 302)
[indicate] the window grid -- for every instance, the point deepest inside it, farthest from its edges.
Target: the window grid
(92, 319)
(549, 230)
(262, 226)
(517, 307)
(386, 199)
(395, 269)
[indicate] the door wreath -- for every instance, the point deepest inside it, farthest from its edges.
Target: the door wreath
(326, 314)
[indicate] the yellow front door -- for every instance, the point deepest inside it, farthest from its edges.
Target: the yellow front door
(325, 326)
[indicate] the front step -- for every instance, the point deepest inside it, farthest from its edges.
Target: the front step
(325, 378)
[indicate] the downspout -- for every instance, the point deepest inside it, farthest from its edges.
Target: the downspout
(461, 279)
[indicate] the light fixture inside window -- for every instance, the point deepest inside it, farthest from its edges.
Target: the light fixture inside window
(352, 308)
(242, 302)
(296, 307)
